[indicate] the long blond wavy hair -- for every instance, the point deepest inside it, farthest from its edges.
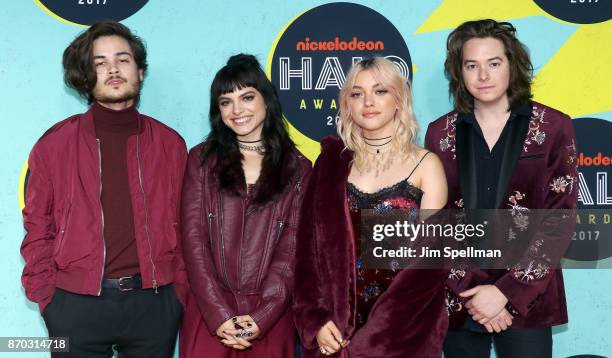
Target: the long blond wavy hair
(403, 141)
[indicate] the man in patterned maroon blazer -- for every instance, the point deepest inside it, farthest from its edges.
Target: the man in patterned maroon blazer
(501, 150)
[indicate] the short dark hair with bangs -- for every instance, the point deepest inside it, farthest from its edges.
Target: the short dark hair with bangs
(242, 71)
(79, 72)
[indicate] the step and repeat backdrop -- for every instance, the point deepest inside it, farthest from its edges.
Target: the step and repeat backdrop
(307, 48)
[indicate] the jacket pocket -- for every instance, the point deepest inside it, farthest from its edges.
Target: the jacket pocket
(531, 157)
(61, 232)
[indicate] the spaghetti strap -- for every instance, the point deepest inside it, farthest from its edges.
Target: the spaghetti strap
(416, 166)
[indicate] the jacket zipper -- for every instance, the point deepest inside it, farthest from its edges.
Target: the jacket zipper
(101, 216)
(210, 217)
(222, 249)
(280, 230)
(243, 204)
(144, 196)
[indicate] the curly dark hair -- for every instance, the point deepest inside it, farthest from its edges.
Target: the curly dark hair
(242, 71)
(521, 69)
(79, 72)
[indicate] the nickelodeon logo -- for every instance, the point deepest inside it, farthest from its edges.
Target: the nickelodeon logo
(597, 161)
(339, 45)
(311, 56)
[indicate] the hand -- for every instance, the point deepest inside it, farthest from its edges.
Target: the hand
(499, 323)
(230, 340)
(248, 330)
(330, 339)
(487, 302)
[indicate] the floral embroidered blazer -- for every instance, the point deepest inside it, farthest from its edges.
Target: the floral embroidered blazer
(538, 172)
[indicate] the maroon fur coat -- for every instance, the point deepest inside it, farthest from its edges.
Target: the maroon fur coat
(408, 320)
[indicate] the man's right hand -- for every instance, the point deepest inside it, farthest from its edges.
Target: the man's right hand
(330, 339)
(499, 323)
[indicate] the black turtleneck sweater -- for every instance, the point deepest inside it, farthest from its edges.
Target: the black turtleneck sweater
(112, 130)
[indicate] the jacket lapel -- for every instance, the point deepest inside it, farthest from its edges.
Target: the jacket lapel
(517, 130)
(466, 162)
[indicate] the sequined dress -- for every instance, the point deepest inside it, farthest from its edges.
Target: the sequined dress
(371, 283)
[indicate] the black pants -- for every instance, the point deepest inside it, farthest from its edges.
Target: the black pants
(137, 323)
(512, 343)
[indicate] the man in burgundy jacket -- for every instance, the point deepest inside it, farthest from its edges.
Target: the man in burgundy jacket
(501, 150)
(102, 252)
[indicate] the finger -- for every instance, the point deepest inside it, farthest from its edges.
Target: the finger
(478, 316)
(241, 333)
(246, 324)
(508, 320)
(484, 320)
(469, 304)
(489, 328)
(243, 342)
(232, 344)
(229, 339)
(229, 342)
(336, 333)
(242, 319)
(496, 327)
(332, 343)
(345, 343)
(470, 292)
(328, 340)
(233, 340)
(329, 349)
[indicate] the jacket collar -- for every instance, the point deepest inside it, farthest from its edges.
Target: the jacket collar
(87, 122)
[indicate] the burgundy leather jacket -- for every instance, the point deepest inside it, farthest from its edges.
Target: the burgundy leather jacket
(237, 248)
(64, 245)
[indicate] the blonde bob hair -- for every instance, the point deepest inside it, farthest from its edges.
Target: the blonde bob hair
(403, 140)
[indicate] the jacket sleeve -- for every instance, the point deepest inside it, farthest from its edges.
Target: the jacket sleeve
(310, 308)
(522, 284)
(196, 249)
(277, 288)
(181, 284)
(38, 277)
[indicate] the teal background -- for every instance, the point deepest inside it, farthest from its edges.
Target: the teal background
(188, 41)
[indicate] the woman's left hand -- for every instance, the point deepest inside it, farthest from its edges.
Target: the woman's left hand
(249, 330)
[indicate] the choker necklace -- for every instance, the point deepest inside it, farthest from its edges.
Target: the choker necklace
(252, 141)
(376, 138)
(377, 146)
(252, 148)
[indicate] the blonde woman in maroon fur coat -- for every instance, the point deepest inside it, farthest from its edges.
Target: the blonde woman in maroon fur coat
(341, 308)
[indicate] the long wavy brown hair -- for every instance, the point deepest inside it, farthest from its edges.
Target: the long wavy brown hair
(79, 72)
(521, 69)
